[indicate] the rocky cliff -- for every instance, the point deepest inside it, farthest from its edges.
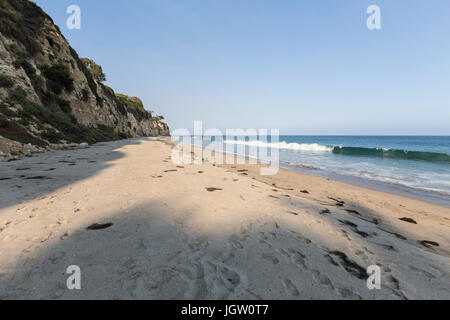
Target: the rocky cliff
(49, 98)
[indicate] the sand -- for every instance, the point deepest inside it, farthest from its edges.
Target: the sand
(139, 227)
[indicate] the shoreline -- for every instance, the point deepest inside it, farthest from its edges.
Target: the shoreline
(208, 231)
(429, 196)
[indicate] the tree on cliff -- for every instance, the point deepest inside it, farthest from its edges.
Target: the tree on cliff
(95, 69)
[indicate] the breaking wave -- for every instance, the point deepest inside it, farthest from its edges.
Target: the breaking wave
(349, 151)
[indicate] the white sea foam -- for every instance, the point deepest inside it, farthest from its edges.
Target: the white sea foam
(283, 145)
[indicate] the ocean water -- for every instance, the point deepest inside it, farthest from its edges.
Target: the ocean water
(417, 162)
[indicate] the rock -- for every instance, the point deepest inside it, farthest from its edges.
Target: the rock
(91, 107)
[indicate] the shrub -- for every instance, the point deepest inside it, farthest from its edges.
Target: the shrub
(22, 20)
(6, 81)
(95, 69)
(17, 51)
(133, 105)
(50, 99)
(4, 123)
(36, 81)
(17, 95)
(88, 75)
(52, 136)
(58, 77)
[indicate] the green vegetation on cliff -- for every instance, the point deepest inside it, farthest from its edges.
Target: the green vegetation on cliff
(44, 78)
(65, 126)
(22, 21)
(95, 69)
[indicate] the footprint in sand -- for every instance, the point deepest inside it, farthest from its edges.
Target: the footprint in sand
(330, 260)
(225, 277)
(322, 279)
(270, 258)
(290, 287)
(359, 253)
(348, 294)
(295, 256)
(234, 241)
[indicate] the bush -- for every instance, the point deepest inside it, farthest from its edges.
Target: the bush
(133, 105)
(88, 75)
(58, 77)
(6, 81)
(95, 69)
(17, 95)
(17, 51)
(52, 136)
(22, 20)
(4, 123)
(36, 81)
(50, 99)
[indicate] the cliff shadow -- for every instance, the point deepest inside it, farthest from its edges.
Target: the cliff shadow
(33, 177)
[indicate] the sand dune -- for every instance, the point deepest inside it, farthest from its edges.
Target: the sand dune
(140, 227)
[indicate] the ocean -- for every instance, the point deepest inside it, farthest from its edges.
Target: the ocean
(415, 166)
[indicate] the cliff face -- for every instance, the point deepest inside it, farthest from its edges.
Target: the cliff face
(49, 97)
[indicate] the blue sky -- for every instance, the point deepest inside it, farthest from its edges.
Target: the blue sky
(304, 67)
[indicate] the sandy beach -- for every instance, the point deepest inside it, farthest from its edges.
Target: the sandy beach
(140, 227)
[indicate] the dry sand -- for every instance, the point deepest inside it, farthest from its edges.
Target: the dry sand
(207, 232)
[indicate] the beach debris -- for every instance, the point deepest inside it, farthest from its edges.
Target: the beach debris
(339, 203)
(305, 191)
(282, 188)
(212, 189)
(349, 265)
(408, 220)
(170, 170)
(394, 233)
(97, 226)
(354, 227)
(325, 211)
(293, 213)
(353, 211)
(429, 244)
(37, 178)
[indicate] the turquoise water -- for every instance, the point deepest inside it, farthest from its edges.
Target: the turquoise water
(418, 162)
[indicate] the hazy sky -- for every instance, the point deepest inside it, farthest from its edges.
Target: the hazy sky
(304, 67)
